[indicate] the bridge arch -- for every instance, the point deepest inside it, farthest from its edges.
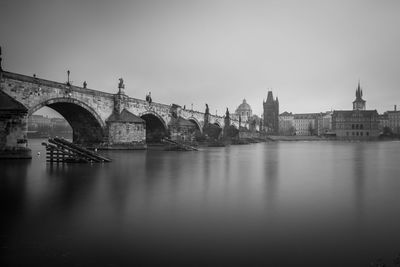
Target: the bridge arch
(197, 123)
(217, 124)
(156, 128)
(88, 128)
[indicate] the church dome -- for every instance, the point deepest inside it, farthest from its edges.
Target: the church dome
(244, 106)
(244, 110)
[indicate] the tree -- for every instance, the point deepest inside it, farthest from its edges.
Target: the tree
(387, 131)
(291, 130)
(311, 129)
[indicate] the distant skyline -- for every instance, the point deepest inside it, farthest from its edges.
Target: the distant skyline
(311, 54)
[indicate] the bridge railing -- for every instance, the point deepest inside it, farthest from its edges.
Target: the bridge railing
(44, 82)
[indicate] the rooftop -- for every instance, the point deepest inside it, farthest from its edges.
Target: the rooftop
(124, 116)
(9, 103)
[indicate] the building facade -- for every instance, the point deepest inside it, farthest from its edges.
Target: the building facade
(394, 120)
(306, 123)
(37, 121)
(325, 123)
(271, 114)
(286, 124)
(358, 123)
(383, 121)
(59, 123)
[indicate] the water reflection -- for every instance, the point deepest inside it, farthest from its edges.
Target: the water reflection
(359, 168)
(271, 169)
(205, 163)
(71, 184)
(273, 204)
(13, 193)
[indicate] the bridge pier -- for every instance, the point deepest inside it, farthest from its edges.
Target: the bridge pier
(125, 131)
(13, 128)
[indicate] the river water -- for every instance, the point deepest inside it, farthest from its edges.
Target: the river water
(267, 204)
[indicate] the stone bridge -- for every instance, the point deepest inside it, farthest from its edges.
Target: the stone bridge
(97, 118)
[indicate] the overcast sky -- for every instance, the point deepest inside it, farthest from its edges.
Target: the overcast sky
(311, 54)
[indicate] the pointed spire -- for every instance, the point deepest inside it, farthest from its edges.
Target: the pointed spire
(270, 97)
(358, 91)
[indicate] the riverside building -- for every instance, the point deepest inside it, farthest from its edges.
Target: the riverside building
(394, 120)
(286, 124)
(359, 123)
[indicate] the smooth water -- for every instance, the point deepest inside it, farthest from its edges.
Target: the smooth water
(267, 204)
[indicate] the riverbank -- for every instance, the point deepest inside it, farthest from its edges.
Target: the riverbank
(322, 138)
(297, 138)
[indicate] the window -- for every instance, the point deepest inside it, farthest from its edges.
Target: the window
(367, 133)
(361, 126)
(357, 133)
(352, 126)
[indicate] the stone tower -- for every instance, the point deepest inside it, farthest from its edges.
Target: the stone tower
(271, 113)
(359, 103)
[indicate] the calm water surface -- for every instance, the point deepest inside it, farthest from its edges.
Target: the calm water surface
(269, 204)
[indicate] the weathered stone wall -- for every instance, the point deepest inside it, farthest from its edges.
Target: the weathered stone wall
(182, 133)
(249, 134)
(194, 116)
(13, 140)
(140, 107)
(126, 133)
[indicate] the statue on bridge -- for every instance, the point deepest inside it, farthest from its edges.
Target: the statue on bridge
(148, 98)
(227, 119)
(207, 116)
(121, 86)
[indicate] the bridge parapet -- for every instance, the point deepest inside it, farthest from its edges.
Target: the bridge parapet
(34, 93)
(141, 106)
(52, 84)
